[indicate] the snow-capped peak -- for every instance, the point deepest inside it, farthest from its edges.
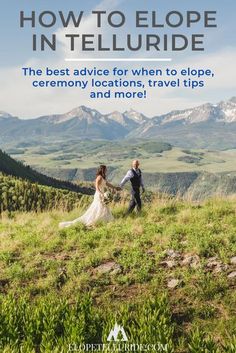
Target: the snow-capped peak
(136, 116)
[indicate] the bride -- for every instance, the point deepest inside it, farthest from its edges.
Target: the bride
(98, 210)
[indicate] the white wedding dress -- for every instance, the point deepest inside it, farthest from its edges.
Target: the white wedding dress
(97, 211)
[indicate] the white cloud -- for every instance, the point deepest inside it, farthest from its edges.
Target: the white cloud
(88, 25)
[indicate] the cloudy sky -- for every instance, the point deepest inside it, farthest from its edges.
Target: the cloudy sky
(20, 99)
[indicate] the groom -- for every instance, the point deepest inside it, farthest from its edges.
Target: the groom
(134, 175)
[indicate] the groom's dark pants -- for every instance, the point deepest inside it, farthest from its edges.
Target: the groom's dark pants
(135, 201)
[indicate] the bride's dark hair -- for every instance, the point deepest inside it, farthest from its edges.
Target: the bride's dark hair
(102, 171)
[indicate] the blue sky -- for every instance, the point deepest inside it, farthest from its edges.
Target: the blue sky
(16, 52)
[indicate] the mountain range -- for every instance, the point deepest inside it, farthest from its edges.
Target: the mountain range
(205, 126)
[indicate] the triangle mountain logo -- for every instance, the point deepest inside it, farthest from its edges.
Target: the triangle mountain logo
(117, 334)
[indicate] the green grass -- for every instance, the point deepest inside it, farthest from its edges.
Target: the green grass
(52, 294)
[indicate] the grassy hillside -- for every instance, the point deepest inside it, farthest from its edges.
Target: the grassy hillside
(10, 166)
(167, 276)
(22, 195)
